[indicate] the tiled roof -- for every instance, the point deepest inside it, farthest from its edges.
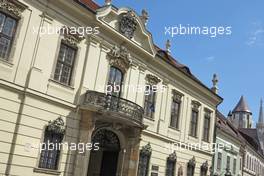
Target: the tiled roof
(90, 4)
(250, 134)
(247, 136)
(242, 106)
(226, 126)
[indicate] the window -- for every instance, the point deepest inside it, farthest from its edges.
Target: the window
(228, 162)
(149, 105)
(50, 153)
(65, 64)
(191, 167)
(144, 158)
(234, 166)
(7, 32)
(204, 169)
(219, 161)
(240, 165)
(206, 130)
(171, 163)
(115, 81)
(175, 109)
(194, 123)
(154, 170)
(194, 118)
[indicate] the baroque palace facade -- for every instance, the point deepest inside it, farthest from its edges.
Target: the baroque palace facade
(53, 91)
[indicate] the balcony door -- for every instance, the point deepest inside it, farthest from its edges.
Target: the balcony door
(115, 82)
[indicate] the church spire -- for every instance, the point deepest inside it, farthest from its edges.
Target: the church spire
(261, 116)
(242, 106)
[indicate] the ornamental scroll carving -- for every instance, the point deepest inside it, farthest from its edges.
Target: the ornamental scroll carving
(12, 7)
(71, 37)
(152, 80)
(56, 126)
(146, 150)
(128, 24)
(120, 58)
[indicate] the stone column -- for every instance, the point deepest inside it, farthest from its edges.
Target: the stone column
(132, 155)
(87, 125)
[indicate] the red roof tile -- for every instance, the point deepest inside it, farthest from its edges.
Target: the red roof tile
(90, 4)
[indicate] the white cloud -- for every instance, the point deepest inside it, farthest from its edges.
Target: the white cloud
(210, 58)
(257, 35)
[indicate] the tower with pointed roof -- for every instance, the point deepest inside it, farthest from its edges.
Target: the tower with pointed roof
(241, 115)
(260, 126)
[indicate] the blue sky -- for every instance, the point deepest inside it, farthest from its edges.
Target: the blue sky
(238, 59)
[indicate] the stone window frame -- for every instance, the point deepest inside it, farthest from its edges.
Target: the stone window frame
(13, 9)
(171, 162)
(73, 41)
(207, 115)
(195, 109)
(176, 98)
(146, 151)
(151, 80)
(204, 168)
(120, 58)
(57, 125)
(191, 166)
(219, 161)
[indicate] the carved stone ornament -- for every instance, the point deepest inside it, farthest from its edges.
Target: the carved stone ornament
(196, 105)
(177, 96)
(71, 37)
(152, 80)
(180, 171)
(172, 157)
(120, 58)
(56, 126)
(12, 7)
(205, 166)
(146, 150)
(192, 162)
(128, 24)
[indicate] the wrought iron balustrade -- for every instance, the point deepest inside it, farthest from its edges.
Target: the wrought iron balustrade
(111, 103)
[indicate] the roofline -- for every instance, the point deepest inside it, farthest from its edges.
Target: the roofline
(199, 82)
(195, 80)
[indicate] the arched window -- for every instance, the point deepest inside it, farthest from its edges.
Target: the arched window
(171, 163)
(144, 158)
(115, 81)
(204, 169)
(51, 146)
(191, 167)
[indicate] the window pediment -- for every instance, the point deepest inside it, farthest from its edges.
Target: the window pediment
(120, 58)
(57, 126)
(71, 37)
(12, 7)
(152, 80)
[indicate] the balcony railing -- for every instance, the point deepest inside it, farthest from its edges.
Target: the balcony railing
(128, 109)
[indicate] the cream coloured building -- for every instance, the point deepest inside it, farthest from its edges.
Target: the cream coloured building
(57, 86)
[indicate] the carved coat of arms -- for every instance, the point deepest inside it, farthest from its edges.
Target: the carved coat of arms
(128, 24)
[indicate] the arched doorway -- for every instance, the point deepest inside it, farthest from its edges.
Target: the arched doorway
(104, 161)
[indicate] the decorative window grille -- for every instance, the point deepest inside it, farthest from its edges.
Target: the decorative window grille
(144, 158)
(171, 163)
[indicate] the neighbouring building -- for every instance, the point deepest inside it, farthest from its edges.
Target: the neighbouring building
(228, 157)
(237, 130)
(111, 89)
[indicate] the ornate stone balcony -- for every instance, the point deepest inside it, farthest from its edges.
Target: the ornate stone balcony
(114, 108)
